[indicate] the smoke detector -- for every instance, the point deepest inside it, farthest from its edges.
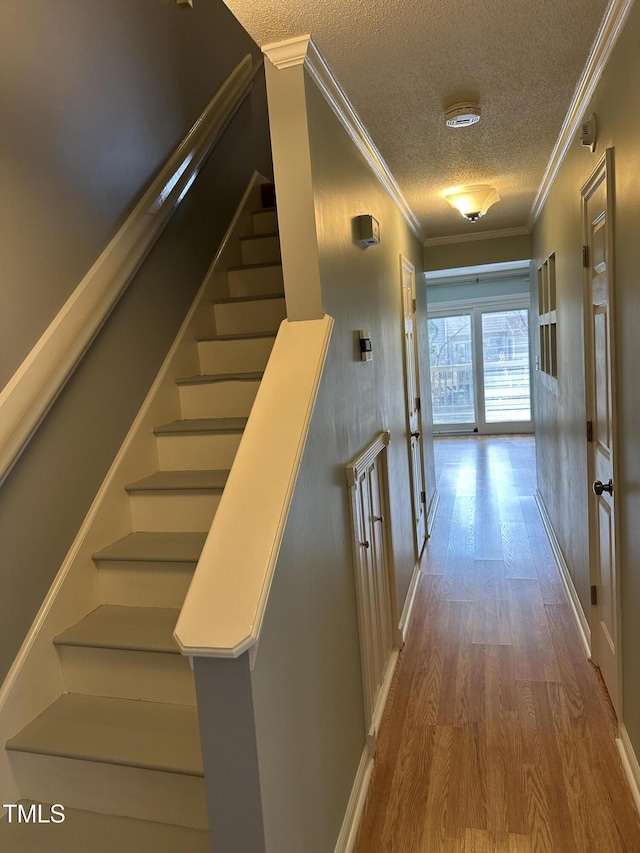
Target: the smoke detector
(462, 114)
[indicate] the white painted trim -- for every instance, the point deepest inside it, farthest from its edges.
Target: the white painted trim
(35, 678)
(224, 608)
(612, 25)
(462, 306)
(629, 763)
(433, 511)
(367, 456)
(355, 807)
(288, 53)
(409, 602)
(30, 393)
(302, 50)
(381, 701)
(582, 623)
(504, 268)
(518, 231)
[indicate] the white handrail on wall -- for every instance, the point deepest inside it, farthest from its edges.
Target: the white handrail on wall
(223, 612)
(32, 390)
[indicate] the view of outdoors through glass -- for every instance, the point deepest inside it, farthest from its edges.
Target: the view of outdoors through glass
(505, 362)
(503, 373)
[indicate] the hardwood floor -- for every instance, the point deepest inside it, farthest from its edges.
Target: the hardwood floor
(498, 733)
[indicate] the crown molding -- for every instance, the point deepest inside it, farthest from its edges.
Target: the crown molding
(303, 51)
(287, 53)
(611, 27)
(482, 235)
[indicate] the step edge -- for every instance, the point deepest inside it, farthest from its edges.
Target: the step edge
(239, 336)
(165, 429)
(211, 378)
(266, 236)
(77, 756)
(260, 297)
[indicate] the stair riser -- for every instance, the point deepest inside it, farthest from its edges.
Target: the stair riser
(129, 791)
(255, 281)
(230, 399)
(197, 452)
(167, 511)
(244, 356)
(126, 674)
(236, 318)
(137, 584)
(264, 250)
(264, 221)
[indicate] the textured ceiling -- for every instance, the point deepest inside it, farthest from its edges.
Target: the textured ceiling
(401, 62)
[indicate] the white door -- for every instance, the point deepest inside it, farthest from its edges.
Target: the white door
(599, 348)
(412, 387)
(377, 610)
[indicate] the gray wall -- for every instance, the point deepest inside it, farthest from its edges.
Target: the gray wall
(113, 74)
(307, 680)
(562, 460)
(438, 293)
(472, 253)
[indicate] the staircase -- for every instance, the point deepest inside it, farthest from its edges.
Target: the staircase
(120, 748)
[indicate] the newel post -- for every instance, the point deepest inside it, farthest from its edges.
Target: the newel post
(229, 752)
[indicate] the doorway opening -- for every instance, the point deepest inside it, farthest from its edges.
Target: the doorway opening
(478, 334)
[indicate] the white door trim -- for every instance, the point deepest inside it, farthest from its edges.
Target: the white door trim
(603, 170)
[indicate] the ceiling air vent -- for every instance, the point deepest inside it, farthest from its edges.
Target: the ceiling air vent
(462, 114)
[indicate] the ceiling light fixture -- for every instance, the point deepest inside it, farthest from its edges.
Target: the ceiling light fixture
(472, 201)
(463, 114)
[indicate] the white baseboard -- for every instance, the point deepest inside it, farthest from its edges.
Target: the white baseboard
(579, 616)
(629, 763)
(433, 509)
(381, 702)
(351, 823)
(410, 600)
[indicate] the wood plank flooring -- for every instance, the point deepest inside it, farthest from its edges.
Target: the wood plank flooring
(498, 736)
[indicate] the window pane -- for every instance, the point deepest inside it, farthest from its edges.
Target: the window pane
(505, 355)
(450, 351)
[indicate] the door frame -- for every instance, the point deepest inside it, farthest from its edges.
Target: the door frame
(605, 165)
(418, 490)
(475, 308)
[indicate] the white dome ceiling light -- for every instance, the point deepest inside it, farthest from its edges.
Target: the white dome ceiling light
(472, 201)
(463, 114)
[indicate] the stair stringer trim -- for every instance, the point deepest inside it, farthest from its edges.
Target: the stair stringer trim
(35, 679)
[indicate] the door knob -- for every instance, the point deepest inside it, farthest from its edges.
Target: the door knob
(415, 434)
(599, 488)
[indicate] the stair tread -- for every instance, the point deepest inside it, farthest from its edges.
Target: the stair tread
(193, 426)
(258, 266)
(181, 481)
(204, 378)
(109, 626)
(155, 547)
(84, 830)
(239, 336)
(264, 236)
(254, 298)
(126, 732)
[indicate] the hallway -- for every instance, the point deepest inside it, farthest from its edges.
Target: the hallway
(498, 734)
